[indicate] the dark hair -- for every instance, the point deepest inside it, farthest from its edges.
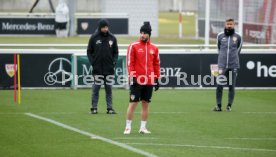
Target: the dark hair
(230, 20)
(146, 28)
(102, 23)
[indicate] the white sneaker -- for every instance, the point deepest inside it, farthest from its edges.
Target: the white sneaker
(127, 131)
(144, 131)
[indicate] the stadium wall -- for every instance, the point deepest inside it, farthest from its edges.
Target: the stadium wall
(258, 68)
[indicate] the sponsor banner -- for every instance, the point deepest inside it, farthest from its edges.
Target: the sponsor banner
(84, 72)
(193, 70)
(257, 33)
(257, 70)
(177, 70)
(27, 26)
(37, 70)
(253, 33)
(89, 25)
(46, 26)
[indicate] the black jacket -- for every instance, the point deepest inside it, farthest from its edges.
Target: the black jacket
(102, 52)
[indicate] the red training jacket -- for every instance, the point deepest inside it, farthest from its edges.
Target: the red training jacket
(143, 62)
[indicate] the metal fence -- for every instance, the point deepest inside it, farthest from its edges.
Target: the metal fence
(259, 18)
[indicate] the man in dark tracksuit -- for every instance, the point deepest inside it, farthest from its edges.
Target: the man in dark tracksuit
(229, 48)
(102, 52)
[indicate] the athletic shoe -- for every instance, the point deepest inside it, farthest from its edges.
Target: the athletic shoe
(94, 111)
(228, 108)
(144, 131)
(217, 109)
(127, 131)
(110, 111)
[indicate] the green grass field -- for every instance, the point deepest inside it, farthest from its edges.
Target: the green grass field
(181, 122)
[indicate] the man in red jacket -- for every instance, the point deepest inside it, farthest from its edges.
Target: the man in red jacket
(144, 70)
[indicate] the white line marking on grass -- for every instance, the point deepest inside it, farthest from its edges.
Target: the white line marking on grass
(259, 112)
(93, 136)
(201, 146)
(269, 139)
(135, 138)
(22, 113)
(57, 112)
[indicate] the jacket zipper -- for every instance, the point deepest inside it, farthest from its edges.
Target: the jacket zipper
(146, 59)
(227, 57)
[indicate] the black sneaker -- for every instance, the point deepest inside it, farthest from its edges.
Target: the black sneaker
(228, 108)
(94, 111)
(110, 111)
(217, 109)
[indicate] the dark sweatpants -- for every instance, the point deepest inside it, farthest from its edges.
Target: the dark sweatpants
(231, 75)
(96, 88)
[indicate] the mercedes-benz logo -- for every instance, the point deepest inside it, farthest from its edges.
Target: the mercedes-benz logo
(57, 72)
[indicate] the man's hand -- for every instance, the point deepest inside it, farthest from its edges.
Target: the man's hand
(156, 86)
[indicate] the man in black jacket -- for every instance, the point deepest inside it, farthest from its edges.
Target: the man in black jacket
(102, 52)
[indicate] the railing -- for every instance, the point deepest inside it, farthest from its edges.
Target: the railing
(161, 46)
(53, 14)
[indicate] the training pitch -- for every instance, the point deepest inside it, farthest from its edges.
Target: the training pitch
(58, 123)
